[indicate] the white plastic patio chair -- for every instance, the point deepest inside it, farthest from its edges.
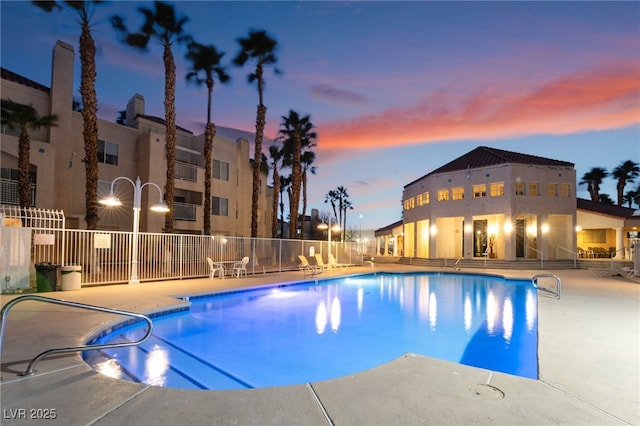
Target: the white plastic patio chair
(215, 267)
(240, 267)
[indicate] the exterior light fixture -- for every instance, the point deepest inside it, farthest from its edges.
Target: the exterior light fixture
(113, 201)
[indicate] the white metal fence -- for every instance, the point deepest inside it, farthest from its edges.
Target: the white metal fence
(105, 257)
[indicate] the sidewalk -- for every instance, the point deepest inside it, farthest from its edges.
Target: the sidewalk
(589, 344)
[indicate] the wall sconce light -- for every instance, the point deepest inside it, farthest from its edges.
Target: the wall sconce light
(544, 228)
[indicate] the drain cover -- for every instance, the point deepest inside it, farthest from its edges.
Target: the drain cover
(487, 391)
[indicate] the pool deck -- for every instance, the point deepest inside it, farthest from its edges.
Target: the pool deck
(589, 359)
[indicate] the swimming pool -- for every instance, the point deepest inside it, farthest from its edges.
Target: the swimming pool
(313, 331)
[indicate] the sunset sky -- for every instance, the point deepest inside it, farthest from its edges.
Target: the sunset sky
(395, 89)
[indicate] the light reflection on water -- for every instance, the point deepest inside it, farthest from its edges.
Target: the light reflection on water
(304, 333)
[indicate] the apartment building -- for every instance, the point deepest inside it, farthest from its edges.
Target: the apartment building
(133, 149)
(492, 203)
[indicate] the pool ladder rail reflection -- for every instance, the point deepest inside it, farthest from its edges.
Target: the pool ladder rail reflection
(30, 369)
(555, 292)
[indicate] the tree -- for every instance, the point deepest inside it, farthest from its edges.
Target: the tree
(206, 60)
(627, 171)
(331, 197)
(163, 26)
(276, 162)
(83, 11)
(24, 118)
(343, 204)
(308, 157)
(258, 48)
(285, 186)
(296, 130)
(593, 179)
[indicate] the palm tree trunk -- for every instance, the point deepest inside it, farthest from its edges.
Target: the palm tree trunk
(90, 130)
(170, 118)
(24, 175)
(276, 199)
(210, 134)
(257, 159)
(296, 183)
(304, 201)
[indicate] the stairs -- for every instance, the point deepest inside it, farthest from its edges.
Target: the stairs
(603, 264)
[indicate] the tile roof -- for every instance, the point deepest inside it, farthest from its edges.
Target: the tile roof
(484, 156)
(16, 78)
(605, 209)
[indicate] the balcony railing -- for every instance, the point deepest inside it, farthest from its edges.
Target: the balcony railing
(186, 171)
(184, 211)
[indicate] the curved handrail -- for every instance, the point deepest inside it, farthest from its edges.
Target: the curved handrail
(534, 281)
(30, 369)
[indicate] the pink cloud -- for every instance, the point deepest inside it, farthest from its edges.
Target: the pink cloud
(598, 99)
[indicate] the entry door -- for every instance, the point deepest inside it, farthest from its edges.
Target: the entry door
(479, 237)
(521, 229)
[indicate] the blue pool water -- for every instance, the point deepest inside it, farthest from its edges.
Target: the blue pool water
(308, 332)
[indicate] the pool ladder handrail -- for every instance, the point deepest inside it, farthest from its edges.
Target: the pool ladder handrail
(30, 369)
(558, 290)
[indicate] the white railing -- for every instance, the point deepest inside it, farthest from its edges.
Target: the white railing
(541, 255)
(186, 171)
(184, 211)
(573, 255)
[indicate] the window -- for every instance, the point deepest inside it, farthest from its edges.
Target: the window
(457, 193)
(552, 190)
(219, 206)
(426, 198)
(479, 191)
(597, 236)
(409, 203)
(533, 189)
(497, 189)
(519, 188)
(423, 199)
(107, 152)
(443, 194)
(220, 170)
(565, 190)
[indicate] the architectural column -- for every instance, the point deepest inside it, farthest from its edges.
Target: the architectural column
(620, 254)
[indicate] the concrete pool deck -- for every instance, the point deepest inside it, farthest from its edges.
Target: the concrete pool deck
(589, 360)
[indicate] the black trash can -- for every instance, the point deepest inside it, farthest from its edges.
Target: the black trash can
(46, 276)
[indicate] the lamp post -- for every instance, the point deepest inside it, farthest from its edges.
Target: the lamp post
(113, 201)
(324, 226)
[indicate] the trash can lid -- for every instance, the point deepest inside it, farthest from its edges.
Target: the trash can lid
(72, 268)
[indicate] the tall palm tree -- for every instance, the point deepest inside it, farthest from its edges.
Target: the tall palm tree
(24, 118)
(162, 26)
(206, 60)
(308, 157)
(627, 171)
(296, 130)
(593, 179)
(276, 162)
(343, 201)
(285, 186)
(331, 197)
(259, 48)
(83, 11)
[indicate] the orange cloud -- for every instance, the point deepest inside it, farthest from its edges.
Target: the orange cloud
(597, 99)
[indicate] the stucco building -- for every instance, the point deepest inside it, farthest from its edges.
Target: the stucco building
(134, 148)
(492, 203)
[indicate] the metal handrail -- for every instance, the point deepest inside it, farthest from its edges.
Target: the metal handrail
(573, 254)
(30, 369)
(614, 254)
(535, 278)
(541, 255)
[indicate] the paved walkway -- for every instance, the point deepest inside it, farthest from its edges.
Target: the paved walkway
(589, 344)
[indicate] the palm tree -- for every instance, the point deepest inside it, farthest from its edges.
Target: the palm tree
(163, 26)
(331, 197)
(276, 162)
(24, 118)
(308, 157)
(343, 203)
(285, 186)
(83, 11)
(296, 130)
(631, 196)
(593, 179)
(259, 48)
(625, 172)
(206, 60)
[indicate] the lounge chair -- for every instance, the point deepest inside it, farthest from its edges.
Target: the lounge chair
(240, 268)
(307, 268)
(215, 267)
(334, 264)
(320, 262)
